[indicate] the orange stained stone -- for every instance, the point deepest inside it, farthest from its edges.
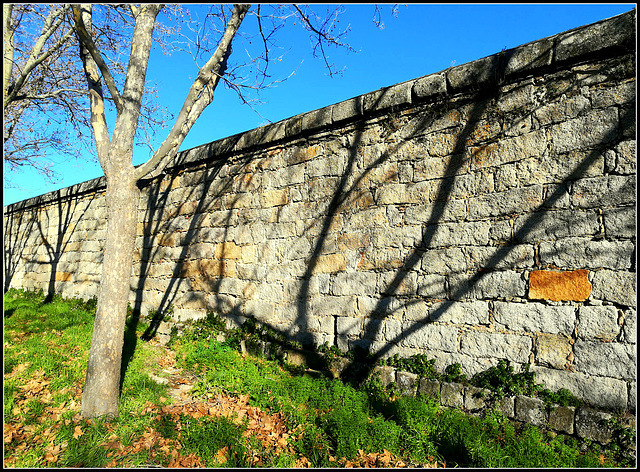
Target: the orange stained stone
(559, 285)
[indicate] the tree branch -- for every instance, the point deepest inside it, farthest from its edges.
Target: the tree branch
(199, 97)
(88, 43)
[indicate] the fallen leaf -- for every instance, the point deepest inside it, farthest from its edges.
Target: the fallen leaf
(77, 432)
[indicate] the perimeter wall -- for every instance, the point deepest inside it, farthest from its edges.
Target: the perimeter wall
(481, 213)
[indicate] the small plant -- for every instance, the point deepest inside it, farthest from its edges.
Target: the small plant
(502, 380)
(418, 364)
(562, 397)
(453, 373)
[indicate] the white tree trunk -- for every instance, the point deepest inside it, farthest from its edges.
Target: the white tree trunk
(102, 384)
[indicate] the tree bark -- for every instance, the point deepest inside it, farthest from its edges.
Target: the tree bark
(102, 384)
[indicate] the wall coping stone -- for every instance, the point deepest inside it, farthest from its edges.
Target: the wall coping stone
(606, 38)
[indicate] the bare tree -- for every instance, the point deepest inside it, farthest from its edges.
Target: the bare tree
(115, 150)
(44, 90)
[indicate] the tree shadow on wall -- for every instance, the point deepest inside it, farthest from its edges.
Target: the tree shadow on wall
(54, 235)
(464, 285)
(170, 226)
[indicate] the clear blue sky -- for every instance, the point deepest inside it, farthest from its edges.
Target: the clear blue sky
(421, 40)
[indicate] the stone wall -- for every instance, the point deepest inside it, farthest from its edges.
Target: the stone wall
(481, 213)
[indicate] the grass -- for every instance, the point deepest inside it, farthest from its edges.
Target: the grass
(282, 417)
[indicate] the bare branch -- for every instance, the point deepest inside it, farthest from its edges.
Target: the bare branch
(88, 43)
(199, 96)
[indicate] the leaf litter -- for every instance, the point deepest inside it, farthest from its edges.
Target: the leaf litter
(269, 429)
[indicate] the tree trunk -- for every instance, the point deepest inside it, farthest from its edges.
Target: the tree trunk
(102, 383)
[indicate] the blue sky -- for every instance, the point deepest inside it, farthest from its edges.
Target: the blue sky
(421, 40)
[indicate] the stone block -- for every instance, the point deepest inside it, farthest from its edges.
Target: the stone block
(407, 382)
(431, 335)
(387, 374)
(555, 285)
(605, 392)
(430, 87)
(392, 97)
(452, 394)
(430, 388)
(474, 398)
(528, 57)
(613, 33)
(592, 424)
(530, 410)
(509, 202)
(615, 286)
(471, 313)
(347, 109)
(599, 322)
(611, 359)
(328, 263)
(553, 350)
(534, 317)
(620, 222)
(561, 418)
(587, 253)
(506, 406)
(604, 191)
(486, 285)
(556, 224)
(497, 345)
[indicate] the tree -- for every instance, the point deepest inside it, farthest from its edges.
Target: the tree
(115, 152)
(44, 90)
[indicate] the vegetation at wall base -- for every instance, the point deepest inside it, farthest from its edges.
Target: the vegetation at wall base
(243, 411)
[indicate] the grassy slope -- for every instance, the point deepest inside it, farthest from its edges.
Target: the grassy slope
(286, 420)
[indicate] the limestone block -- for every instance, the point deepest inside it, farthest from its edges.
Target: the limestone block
(599, 322)
(387, 374)
(485, 285)
(532, 144)
(615, 286)
(534, 317)
(472, 313)
(474, 398)
(432, 286)
(626, 157)
(605, 359)
(555, 224)
(556, 285)
(452, 394)
(456, 234)
(592, 424)
(616, 32)
(407, 382)
(629, 328)
(347, 109)
(513, 201)
(498, 345)
(328, 263)
(592, 129)
(443, 261)
(602, 391)
(356, 283)
(431, 335)
(620, 222)
(519, 256)
(430, 388)
(530, 410)
(506, 406)
(553, 351)
(591, 254)
(561, 418)
(598, 192)
(430, 86)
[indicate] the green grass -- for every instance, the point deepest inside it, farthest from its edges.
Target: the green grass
(330, 422)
